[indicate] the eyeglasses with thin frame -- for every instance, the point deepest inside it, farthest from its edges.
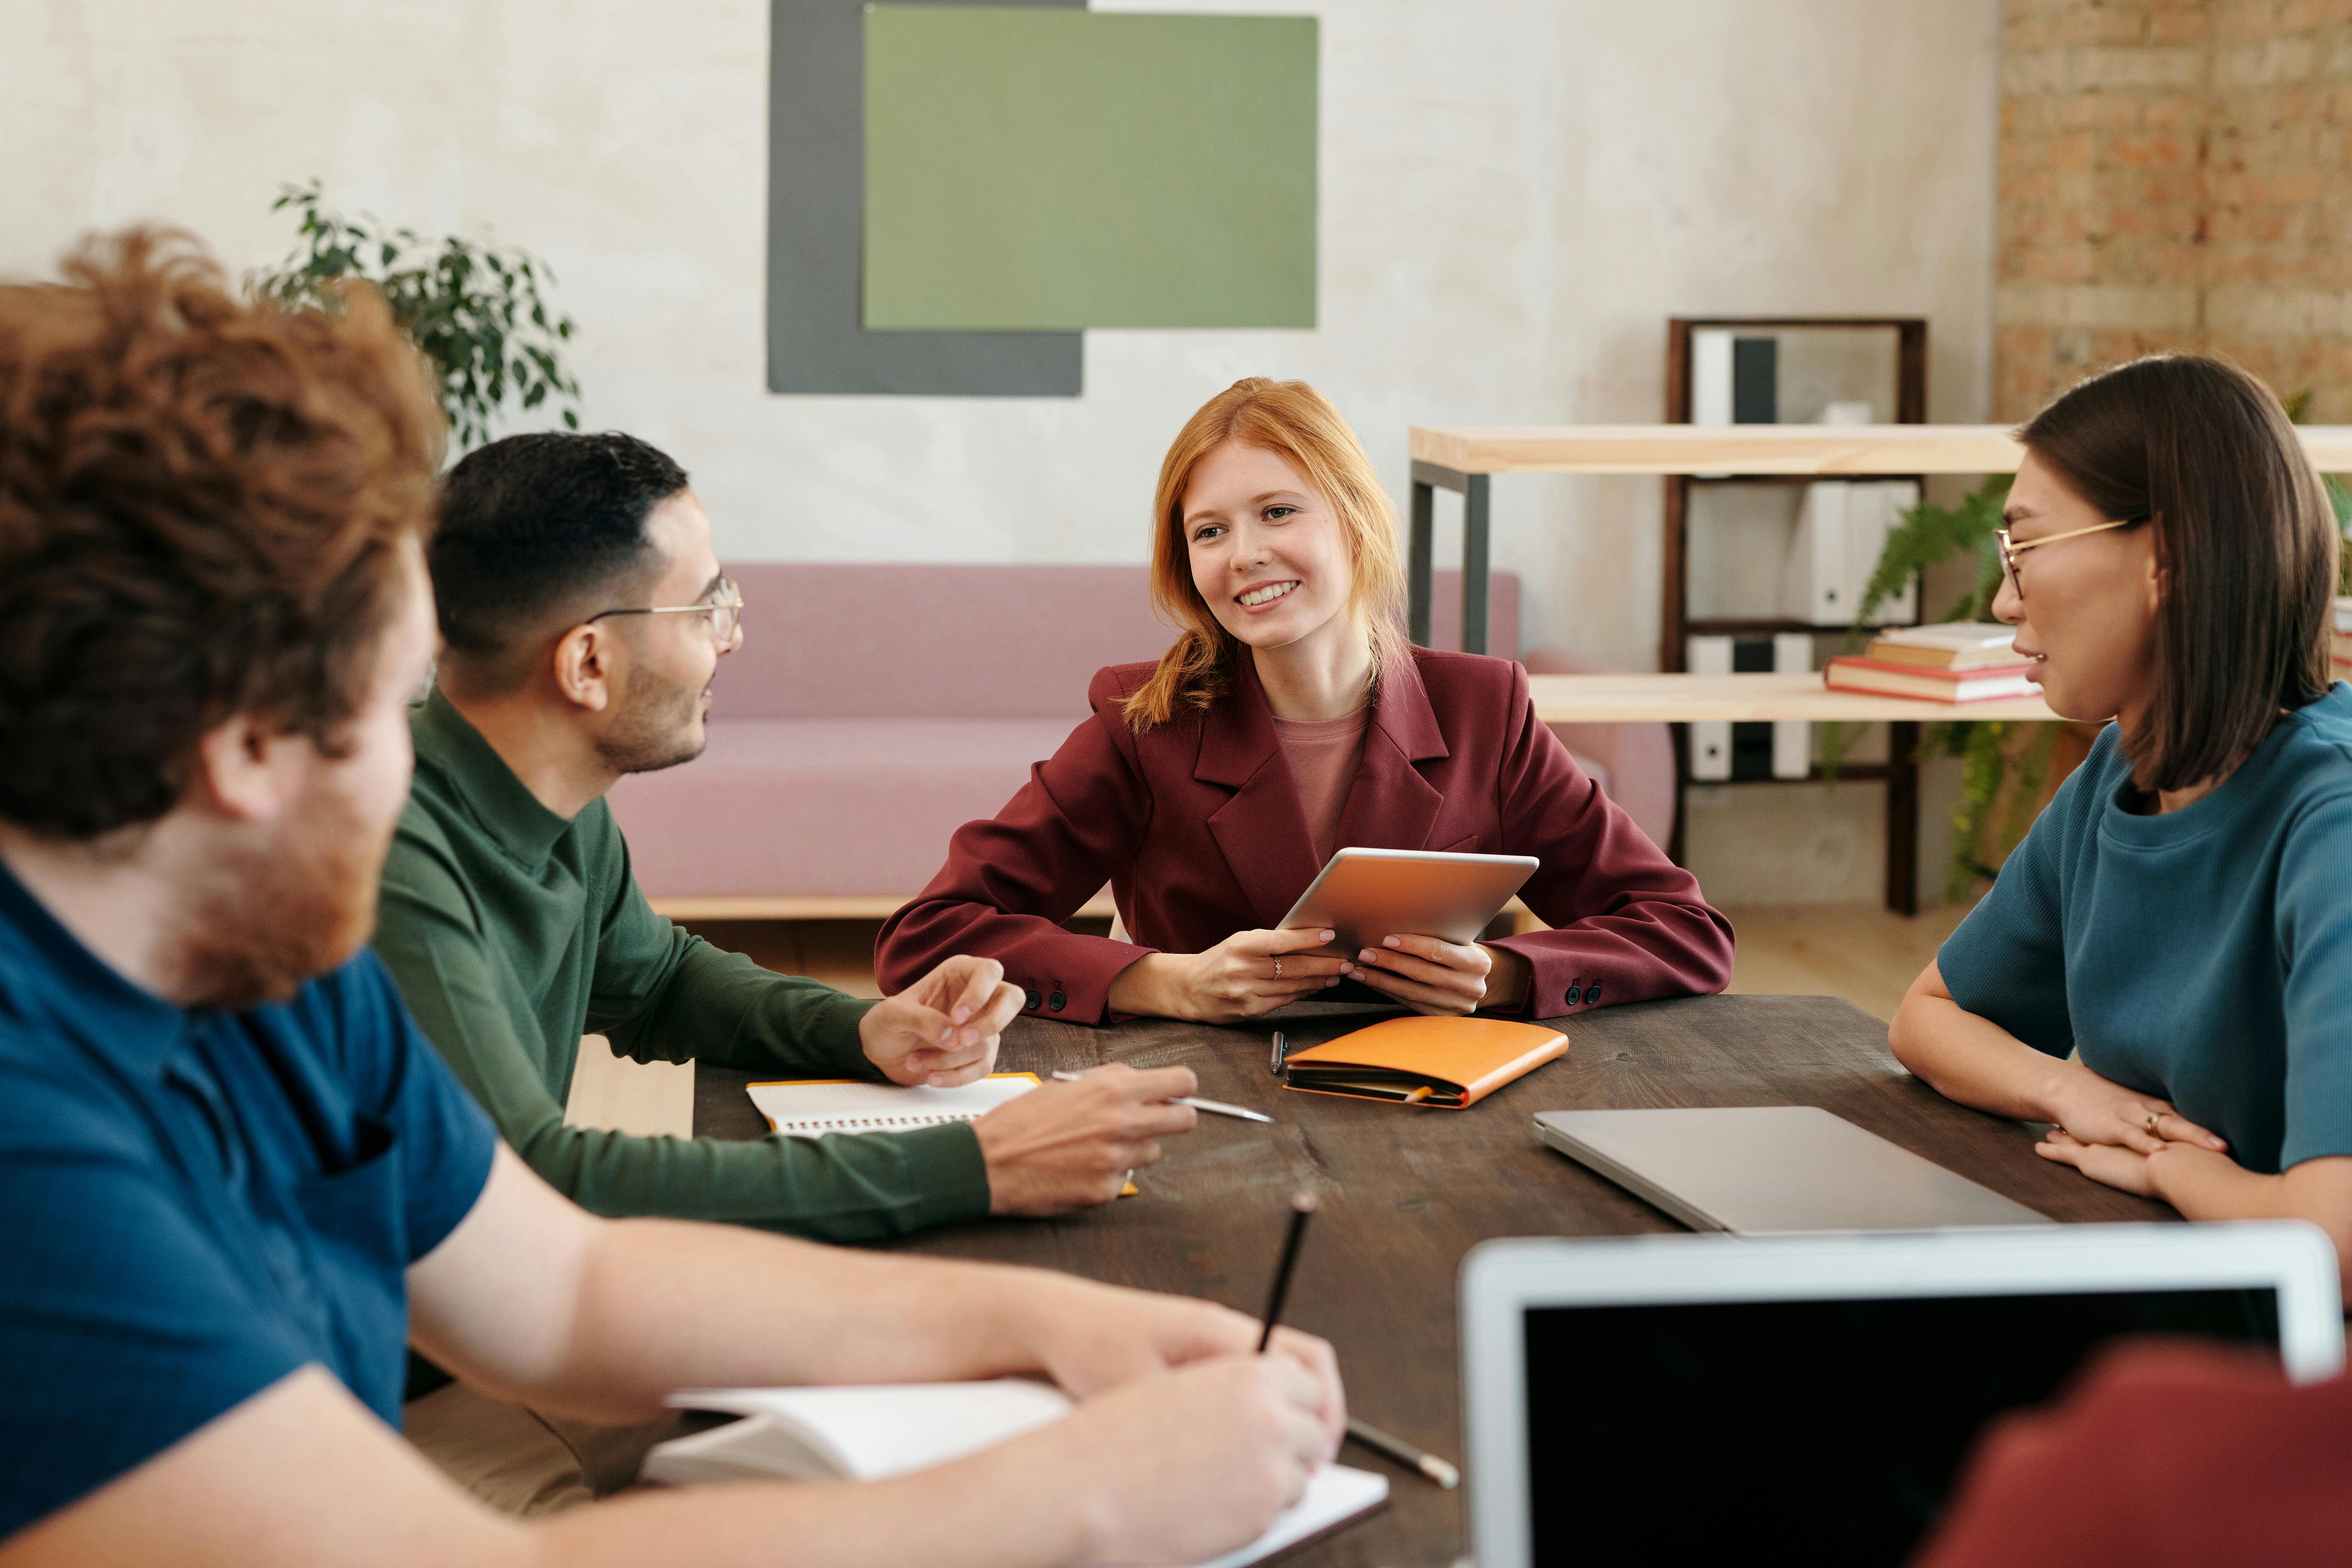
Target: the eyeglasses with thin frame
(725, 610)
(2011, 549)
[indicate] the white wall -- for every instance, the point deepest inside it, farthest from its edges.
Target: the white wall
(1515, 196)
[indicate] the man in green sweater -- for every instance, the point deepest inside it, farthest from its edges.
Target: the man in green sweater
(584, 614)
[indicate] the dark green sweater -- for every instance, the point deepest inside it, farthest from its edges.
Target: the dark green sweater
(512, 932)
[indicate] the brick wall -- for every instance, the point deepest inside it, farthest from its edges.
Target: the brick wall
(2175, 174)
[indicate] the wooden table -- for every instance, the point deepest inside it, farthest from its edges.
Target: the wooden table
(1406, 1193)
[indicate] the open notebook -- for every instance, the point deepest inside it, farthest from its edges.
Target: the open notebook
(813, 1107)
(867, 1433)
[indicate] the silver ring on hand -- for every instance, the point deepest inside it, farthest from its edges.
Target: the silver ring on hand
(1277, 969)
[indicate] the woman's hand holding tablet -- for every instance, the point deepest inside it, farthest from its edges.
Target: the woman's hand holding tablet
(1249, 973)
(1430, 975)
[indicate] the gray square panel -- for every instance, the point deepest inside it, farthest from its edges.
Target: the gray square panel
(816, 216)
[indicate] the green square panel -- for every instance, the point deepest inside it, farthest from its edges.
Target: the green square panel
(1045, 170)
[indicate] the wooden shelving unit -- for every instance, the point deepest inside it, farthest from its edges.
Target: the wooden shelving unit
(1462, 458)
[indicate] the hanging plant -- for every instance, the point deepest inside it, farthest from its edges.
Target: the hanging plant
(476, 310)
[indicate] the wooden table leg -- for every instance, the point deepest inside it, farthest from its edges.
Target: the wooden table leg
(1418, 589)
(1903, 817)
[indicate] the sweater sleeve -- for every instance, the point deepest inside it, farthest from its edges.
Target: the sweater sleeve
(462, 989)
(663, 994)
(2112, 1475)
(1010, 881)
(1628, 924)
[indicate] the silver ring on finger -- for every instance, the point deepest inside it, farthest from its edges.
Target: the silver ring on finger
(1277, 969)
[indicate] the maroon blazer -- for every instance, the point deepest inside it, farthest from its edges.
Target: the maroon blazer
(1197, 826)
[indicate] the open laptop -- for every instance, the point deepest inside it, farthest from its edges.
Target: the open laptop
(1704, 1398)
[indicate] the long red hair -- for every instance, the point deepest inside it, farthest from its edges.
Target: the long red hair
(1297, 424)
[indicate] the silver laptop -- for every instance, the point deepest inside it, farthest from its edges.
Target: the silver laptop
(1668, 1399)
(1770, 1170)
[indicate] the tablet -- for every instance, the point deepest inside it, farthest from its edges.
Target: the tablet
(1366, 895)
(1685, 1398)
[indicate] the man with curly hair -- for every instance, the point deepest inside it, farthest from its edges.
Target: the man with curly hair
(238, 1179)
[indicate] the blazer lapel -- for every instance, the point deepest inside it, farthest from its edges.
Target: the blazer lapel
(1261, 831)
(1391, 805)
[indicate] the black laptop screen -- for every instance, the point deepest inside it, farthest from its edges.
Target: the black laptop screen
(1830, 1430)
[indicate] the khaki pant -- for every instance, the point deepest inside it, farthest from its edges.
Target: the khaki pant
(524, 1461)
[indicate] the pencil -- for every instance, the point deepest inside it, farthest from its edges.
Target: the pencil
(1404, 1453)
(1301, 1206)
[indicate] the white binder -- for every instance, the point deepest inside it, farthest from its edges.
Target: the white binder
(1813, 576)
(1710, 739)
(1874, 510)
(1792, 739)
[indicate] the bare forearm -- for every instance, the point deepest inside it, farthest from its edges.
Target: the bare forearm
(2203, 1185)
(667, 1305)
(1147, 988)
(974, 1513)
(1972, 1060)
(1508, 983)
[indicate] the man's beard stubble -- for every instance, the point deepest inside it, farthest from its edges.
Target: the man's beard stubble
(276, 917)
(654, 728)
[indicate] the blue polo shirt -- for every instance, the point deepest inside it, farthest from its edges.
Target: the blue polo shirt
(194, 1205)
(2203, 956)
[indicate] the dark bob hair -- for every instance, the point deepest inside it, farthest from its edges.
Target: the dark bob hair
(2244, 536)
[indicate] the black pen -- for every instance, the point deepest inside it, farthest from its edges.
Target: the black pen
(1301, 1206)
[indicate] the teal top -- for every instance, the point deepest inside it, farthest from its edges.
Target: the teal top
(512, 931)
(2205, 955)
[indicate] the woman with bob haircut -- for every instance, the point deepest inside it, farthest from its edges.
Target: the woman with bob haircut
(2163, 970)
(1290, 718)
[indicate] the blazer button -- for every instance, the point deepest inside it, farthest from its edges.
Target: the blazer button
(1592, 993)
(1057, 1001)
(1031, 1000)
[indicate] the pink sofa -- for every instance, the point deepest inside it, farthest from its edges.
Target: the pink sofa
(873, 710)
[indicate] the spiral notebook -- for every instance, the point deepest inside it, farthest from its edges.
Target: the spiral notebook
(811, 1108)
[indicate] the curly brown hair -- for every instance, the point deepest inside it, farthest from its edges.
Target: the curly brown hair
(203, 506)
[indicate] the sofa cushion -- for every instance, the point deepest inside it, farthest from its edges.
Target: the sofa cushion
(811, 807)
(778, 807)
(833, 641)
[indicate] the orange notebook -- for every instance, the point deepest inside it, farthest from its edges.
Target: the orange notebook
(1448, 1063)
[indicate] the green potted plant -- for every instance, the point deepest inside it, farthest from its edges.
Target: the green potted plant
(475, 310)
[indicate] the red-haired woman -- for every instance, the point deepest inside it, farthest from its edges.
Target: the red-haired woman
(1289, 719)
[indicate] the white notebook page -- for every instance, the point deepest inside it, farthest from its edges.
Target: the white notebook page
(886, 1430)
(814, 1110)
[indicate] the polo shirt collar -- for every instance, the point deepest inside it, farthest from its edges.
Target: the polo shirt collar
(488, 790)
(82, 993)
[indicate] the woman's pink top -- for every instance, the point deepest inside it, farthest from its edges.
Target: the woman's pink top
(1322, 754)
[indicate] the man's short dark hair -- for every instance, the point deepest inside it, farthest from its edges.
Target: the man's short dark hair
(533, 528)
(203, 506)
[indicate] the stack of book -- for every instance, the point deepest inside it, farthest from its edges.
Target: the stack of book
(1959, 662)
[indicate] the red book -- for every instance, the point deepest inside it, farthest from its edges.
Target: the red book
(1881, 679)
